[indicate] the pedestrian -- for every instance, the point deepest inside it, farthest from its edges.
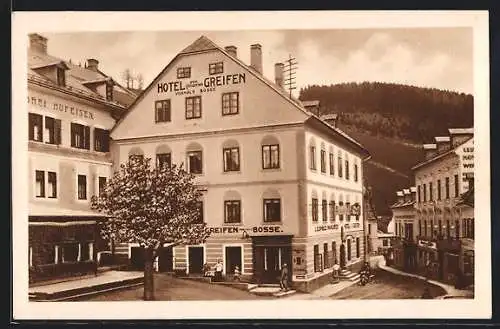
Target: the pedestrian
(336, 269)
(236, 273)
(218, 271)
(284, 277)
(206, 270)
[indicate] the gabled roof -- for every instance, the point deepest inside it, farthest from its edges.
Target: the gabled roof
(440, 155)
(201, 44)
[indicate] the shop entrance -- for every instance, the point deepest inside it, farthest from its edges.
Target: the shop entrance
(195, 255)
(165, 259)
(270, 253)
(233, 259)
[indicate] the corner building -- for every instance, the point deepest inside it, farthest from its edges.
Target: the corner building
(280, 184)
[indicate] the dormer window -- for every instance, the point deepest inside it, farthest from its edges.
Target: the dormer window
(61, 77)
(109, 92)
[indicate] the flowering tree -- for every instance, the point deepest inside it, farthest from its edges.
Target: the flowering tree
(151, 206)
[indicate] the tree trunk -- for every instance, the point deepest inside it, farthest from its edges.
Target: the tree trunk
(148, 274)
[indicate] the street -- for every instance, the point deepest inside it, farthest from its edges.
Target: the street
(389, 286)
(170, 288)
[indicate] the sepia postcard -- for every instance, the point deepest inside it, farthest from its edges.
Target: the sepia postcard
(251, 165)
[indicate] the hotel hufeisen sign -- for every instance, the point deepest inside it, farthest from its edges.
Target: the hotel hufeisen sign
(207, 84)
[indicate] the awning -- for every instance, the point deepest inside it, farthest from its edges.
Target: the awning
(46, 210)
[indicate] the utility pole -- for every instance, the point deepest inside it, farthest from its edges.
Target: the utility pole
(290, 71)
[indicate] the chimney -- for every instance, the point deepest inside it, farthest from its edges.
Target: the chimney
(443, 143)
(400, 196)
(92, 64)
(38, 43)
(460, 135)
(256, 57)
(232, 50)
(279, 74)
(430, 151)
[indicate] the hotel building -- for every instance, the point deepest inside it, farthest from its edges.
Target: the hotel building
(71, 110)
(444, 219)
(280, 184)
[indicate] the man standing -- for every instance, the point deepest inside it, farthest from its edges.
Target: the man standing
(218, 271)
(284, 277)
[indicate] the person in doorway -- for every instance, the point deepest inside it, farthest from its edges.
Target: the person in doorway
(218, 270)
(336, 270)
(284, 277)
(236, 273)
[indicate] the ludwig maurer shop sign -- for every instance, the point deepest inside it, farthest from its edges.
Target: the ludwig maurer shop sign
(207, 84)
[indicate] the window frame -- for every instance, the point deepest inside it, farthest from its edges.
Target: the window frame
(312, 157)
(271, 201)
(229, 102)
(356, 168)
(331, 158)
(193, 114)
(447, 187)
(191, 154)
(347, 173)
(54, 132)
(270, 150)
(159, 156)
(323, 161)
(225, 158)
(35, 120)
(40, 178)
(201, 217)
(101, 186)
(80, 196)
(457, 186)
(52, 174)
(236, 203)
(166, 111)
(339, 166)
(184, 72)
(216, 68)
(83, 133)
(101, 140)
(315, 210)
(324, 210)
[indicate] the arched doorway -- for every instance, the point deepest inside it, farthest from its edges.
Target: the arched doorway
(342, 255)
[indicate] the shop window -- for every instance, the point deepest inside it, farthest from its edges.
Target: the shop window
(163, 159)
(101, 140)
(101, 185)
(216, 68)
(35, 127)
(230, 103)
(232, 211)
(193, 107)
(324, 210)
(331, 161)
(312, 157)
(52, 180)
(339, 166)
(82, 187)
(183, 72)
(40, 183)
(86, 249)
(357, 248)
(270, 156)
(195, 162)
(323, 161)
(200, 218)
(80, 136)
(314, 209)
(272, 210)
(162, 111)
(231, 159)
(45, 254)
(69, 252)
(53, 129)
(349, 250)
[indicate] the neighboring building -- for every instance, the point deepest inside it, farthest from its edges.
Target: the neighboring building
(280, 185)
(385, 243)
(371, 222)
(444, 227)
(71, 110)
(403, 217)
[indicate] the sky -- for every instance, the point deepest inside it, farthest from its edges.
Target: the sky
(427, 57)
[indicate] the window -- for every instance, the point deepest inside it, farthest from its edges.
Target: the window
(199, 219)
(323, 161)
(163, 159)
(193, 107)
(35, 127)
(231, 159)
(347, 169)
(332, 211)
(61, 77)
(324, 210)
(447, 187)
(326, 264)
(340, 166)
(369, 229)
(349, 249)
(457, 229)
(418, 194)
(312, 158)
(195, 162)
(468, 228)
(315, 209)
(183, 72)
(355, 172)
(52, 178)
(456, 186)
(230, 103)
(348, 210)
(162, 111)
(80, 136)
(102, 185)
(332, 167)
(69, 252)
(425, 192)
(82, 187)
(216, 68)
(53, 128)
(318, 259)
(439, 189)
(87, 249)
(272, 210)
(40, 184)
(385, 243)
(232, 211)
(101, 140)
(357, 248)
(430, 191)
(341, 210)
(109, 92)
(270, 156)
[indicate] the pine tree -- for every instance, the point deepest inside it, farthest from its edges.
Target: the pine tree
(150, 206)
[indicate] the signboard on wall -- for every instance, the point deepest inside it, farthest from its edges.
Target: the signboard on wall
(254, 230)
(466, 161)
(299, 260)
(71, 109)
(204, 85)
